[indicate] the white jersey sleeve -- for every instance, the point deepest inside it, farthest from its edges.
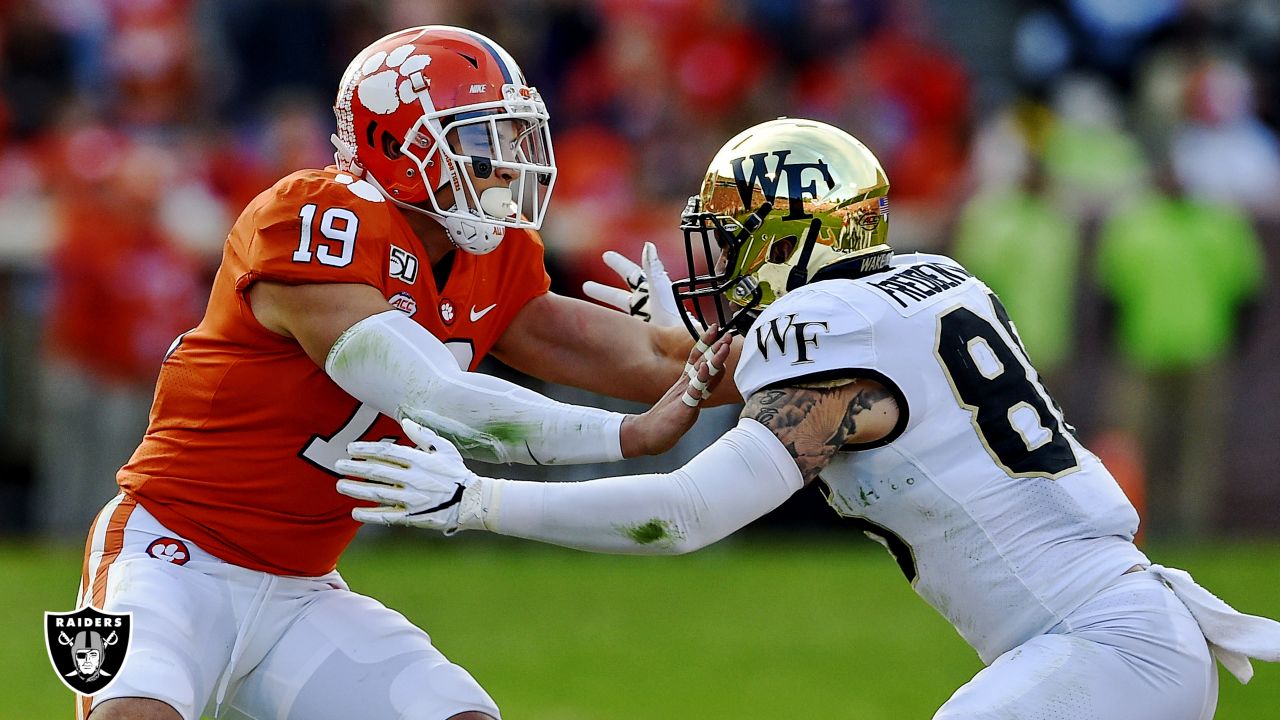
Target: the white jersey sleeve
(809, 332)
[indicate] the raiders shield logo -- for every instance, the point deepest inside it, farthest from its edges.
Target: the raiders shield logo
(87, 647)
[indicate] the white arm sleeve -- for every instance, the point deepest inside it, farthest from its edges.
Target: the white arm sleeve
(395, 365)
(741, 476)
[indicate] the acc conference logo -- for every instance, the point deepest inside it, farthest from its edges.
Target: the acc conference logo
(87, 647)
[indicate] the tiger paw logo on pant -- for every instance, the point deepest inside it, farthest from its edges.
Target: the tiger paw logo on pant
(87, 647)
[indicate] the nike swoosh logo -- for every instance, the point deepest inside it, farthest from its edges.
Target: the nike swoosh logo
(477, 314)
(457, 498)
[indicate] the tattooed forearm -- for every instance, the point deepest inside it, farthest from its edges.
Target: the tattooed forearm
(767, 403)
(814, 422)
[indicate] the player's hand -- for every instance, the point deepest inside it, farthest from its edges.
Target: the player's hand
(420, 486)
(648, 295)
(657, 430)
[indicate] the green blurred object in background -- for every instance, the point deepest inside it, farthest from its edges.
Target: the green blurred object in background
(1178, 270)
(1028, 252)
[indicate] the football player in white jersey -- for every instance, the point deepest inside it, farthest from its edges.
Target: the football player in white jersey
(900, 382)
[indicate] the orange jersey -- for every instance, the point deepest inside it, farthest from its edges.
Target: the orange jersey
(245, 427)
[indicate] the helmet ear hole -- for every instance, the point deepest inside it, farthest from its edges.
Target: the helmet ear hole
(385, 142)
(390, 147)
(781, 249)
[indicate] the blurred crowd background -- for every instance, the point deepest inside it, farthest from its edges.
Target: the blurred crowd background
(1112, 169)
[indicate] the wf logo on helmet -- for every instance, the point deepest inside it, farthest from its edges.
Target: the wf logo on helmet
(767, 181)
(87, 647)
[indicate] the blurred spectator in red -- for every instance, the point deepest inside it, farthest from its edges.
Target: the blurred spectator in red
(931, 90)
(596, 184)
(151, 56)
(121, 291)
(907, 97)
(292, 135)
(598, 207)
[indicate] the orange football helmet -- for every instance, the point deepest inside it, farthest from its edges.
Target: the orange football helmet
(441, 119)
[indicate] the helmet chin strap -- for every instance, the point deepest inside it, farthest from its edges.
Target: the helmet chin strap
(344, 157)
(799, 274)
(470, 236)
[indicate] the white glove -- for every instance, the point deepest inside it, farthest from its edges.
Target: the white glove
(416, 487)
(649, 295)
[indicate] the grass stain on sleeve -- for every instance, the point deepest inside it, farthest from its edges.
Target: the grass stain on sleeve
(509, 432)
(648, 533)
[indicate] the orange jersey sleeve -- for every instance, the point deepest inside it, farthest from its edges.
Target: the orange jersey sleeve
(314, 228)
(245, 427)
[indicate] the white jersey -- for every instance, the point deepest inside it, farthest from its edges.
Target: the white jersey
(998, 516)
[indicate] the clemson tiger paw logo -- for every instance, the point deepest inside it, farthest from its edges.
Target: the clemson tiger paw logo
(170, 550)
(389, 79)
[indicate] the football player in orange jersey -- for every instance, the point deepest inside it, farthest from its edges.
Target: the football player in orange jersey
(349, 298)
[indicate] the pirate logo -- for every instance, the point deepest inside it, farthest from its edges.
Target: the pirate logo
(87, 647)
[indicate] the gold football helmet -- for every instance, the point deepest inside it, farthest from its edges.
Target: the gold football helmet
(783, 203)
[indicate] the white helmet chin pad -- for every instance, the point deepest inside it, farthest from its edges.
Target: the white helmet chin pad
(477, 236)
(472, 236)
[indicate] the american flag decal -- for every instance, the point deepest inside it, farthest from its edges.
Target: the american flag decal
(884, 205)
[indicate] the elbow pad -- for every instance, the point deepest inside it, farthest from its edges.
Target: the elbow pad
(738, 478)
(395, 365)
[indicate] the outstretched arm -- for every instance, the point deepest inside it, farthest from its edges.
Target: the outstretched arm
(383, 358)
(573, 342)
(784, 438)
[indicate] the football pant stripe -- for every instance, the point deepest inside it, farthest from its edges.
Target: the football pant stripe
(94, 542)
(113, 542)
(94, 545)
(88, 550)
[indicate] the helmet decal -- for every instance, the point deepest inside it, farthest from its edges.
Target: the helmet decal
(762, 183)
(384, 91)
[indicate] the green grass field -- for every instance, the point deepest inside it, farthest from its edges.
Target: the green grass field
(743, 630)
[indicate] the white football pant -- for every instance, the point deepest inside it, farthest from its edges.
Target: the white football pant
(1132, 652)
(215, 638)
